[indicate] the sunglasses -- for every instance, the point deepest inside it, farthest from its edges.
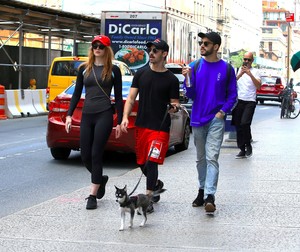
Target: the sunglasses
(246, 59)
(205, 43)
(96, 46)
(154, 50)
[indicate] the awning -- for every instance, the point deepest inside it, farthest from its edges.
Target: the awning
(295, 61)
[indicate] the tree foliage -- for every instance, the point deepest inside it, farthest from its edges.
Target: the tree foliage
(237, 60)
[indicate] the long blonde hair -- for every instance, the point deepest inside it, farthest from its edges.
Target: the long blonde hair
(107, 68)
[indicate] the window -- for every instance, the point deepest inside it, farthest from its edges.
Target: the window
(270, 46)
(66, 68)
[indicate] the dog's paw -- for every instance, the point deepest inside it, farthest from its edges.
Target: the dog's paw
(130, 224)
(121, 228)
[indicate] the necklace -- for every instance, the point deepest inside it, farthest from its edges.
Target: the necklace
(98, 64)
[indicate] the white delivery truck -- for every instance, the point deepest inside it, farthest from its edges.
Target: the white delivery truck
(130, 31)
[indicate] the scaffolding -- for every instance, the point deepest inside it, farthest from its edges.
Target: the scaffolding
(51, 27)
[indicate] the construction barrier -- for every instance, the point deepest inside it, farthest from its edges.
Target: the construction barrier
(39, 100)
(2, 103)
(21, 103)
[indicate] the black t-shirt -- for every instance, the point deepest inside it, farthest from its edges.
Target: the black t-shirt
(95, 100)
(155, 91)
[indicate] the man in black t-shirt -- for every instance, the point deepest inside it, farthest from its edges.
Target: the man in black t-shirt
(157, 87)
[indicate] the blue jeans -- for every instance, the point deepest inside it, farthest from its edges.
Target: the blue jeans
(208, 140)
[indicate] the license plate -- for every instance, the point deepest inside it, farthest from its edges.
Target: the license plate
(267, 88)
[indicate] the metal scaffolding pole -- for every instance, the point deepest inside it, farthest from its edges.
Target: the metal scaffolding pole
(21, 40)
(288, 52)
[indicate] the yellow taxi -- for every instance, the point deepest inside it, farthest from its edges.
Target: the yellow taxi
(63, 72)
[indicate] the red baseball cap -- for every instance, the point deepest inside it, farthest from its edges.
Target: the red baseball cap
(104, 40)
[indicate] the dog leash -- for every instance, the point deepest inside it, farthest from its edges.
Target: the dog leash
(169, 106)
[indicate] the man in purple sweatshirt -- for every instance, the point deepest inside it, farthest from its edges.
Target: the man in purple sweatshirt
(211, 84)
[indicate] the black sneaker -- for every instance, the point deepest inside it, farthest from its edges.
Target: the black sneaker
(242, 154)
(248, 151)
(101, 190)
(199, 201)
(209, 204)
(158, 187)
(91, 202)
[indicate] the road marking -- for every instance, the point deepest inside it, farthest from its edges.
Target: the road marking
(22, 141)
(22, 153)
(264, 108)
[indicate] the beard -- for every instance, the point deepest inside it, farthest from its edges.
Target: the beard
(207, 52)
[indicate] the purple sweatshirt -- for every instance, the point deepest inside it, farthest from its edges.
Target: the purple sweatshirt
(210, 91)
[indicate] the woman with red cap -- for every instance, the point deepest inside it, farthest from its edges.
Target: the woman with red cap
(98, 75)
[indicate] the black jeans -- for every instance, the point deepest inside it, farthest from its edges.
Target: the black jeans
(95, 130)
(242, 116)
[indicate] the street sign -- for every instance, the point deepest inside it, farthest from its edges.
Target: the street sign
(289, 17)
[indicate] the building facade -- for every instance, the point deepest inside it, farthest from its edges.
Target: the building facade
(280, 38)
(237, 21)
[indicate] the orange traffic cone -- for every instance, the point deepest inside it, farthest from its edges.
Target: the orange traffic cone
(2, 103)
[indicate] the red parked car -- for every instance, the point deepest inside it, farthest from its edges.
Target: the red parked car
(270, 90)
(61, 143)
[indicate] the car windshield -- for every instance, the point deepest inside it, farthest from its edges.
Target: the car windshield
(66, 68)
(177, 71)
(125, 89)
(70, 90)
(270, 80)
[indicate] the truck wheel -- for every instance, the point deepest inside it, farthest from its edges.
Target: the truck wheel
(186, 139)
(60, 153)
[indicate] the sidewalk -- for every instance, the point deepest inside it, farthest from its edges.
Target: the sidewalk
(258, 207)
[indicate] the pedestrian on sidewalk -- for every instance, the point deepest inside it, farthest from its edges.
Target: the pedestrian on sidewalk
(211, 84)
(157, 88)
(98, 75)
(248, 81)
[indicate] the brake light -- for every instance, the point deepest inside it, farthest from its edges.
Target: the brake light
(59, 106)
(47, 92)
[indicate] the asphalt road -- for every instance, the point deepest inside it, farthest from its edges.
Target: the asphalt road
(28, 173)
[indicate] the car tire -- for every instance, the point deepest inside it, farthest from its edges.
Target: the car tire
(60, 153)
(184, 145)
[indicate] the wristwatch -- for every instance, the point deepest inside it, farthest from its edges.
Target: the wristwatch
(222, 112)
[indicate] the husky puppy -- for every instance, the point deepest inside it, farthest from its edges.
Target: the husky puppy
(129, 204)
